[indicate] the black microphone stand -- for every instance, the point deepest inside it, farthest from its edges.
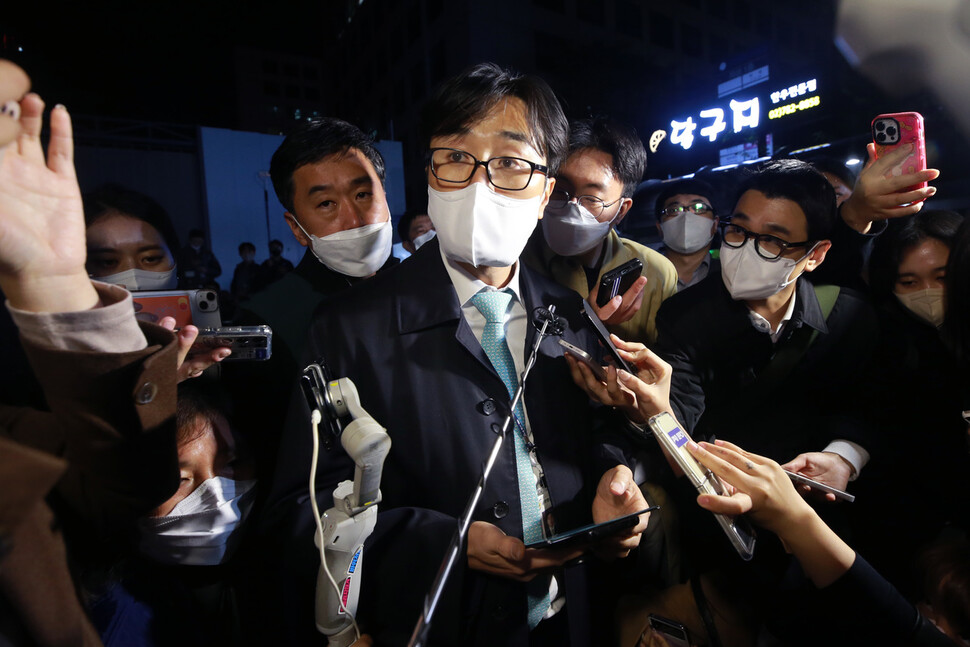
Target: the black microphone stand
(547, 323)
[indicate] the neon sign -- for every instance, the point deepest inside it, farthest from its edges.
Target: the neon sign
(792, 108)
(744, 114)
(796, 90)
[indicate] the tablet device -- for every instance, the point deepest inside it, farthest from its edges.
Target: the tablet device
(591, 533)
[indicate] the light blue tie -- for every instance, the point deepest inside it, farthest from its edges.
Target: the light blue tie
(494, 305)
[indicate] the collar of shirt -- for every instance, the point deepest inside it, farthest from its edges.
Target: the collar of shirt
(761, 324)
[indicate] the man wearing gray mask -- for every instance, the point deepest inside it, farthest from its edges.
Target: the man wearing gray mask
(687, 221)
(578, 243)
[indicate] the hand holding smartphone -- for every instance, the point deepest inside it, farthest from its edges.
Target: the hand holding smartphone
(604, 337)
(893, 131)
(618, 280)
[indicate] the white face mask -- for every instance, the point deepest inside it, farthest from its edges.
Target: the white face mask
(135, 280)
(475, 225)
(747, 275)
(687, 233)
(199, 531)
(422, 239)
(927, 304)
(355, 252)
(573, 230)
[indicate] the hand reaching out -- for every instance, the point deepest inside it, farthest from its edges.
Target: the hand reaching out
(189, 367)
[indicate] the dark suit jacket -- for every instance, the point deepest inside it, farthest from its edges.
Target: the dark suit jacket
(113, 420)
(422, 373)
(722, 384)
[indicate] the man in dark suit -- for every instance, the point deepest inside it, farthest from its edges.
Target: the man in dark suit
(421, 349)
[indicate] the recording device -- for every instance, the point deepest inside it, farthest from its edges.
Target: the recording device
(604, 337)
(674, 633)
(618, 281)
(245, 342)
(799, 479)
(591, 533)
(342, 530)
(674, 439)
(898, 129)
(585, 358)
(198, 308)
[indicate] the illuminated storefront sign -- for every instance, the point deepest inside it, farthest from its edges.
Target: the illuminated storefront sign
(710, 124)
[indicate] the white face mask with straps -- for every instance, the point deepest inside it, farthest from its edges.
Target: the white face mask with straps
(687, 232)
(357, 252)
(201, 530)
(136, 280)
(477, 226)
(747, 275)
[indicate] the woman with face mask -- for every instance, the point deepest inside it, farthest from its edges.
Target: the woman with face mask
(181, 584)
(130, 240)
(920, 391)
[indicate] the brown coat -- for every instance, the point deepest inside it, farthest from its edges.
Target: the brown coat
(107, 447)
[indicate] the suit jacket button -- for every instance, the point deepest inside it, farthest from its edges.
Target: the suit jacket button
(487, 407)
(500, 509)
(146, 393)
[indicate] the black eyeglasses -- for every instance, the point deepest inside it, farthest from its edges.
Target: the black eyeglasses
(559, 199)
(506, 173)
(700, 208)
(768, 247)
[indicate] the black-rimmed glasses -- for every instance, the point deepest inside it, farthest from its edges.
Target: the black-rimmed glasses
(506, 173)
(768, 247)
(560, 198)
(700, 208)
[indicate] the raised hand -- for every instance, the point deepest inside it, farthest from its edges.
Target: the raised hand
(42, 246)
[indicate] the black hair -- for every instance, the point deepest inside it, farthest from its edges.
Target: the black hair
(620, 142)
(798, 181)
(277, 244)
(825, 164)
(464, 99)
(687, 186)
(114, 197)
(198, 401)
(404, 224)
(196, 233)
(902, 235)
(246, 246)
(946, 582)
(311, 142)
(956, 324)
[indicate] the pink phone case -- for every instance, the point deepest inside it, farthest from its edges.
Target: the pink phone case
(891, 131)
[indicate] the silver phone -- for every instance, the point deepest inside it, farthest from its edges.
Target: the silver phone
(674, 440)
(585, 358)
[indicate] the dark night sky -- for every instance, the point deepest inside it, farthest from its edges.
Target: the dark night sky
(158, 61)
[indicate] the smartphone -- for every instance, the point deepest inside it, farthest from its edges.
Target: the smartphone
(618, 281)
(892, 131)
(593, 532)
(199, 308)
(799, 479)
(604, 337)
(674, 440)
(585, 358)
(673, 632)
(245, 342)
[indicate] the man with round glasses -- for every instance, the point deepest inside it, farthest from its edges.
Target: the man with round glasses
(579, 243)
(759, 356)
(687, 221)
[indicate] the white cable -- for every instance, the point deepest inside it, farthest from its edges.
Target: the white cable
(315, 419)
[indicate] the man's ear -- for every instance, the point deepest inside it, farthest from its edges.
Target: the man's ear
(625, 205)
(546, 194)
(295, 228)
(818, 255)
